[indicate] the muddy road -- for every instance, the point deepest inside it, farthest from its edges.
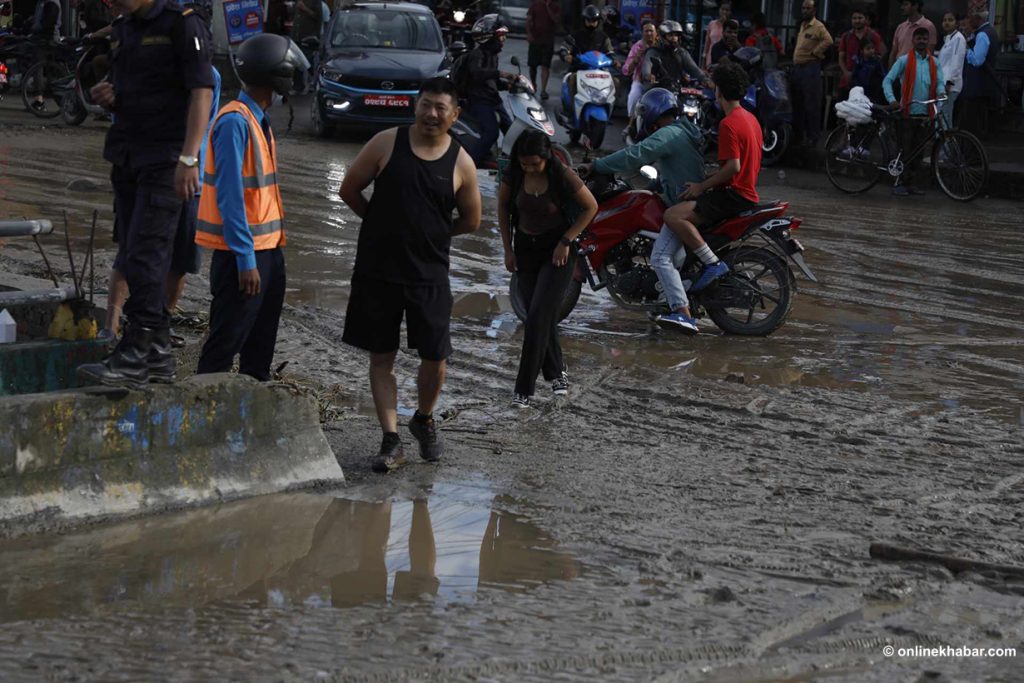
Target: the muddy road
(697, 509)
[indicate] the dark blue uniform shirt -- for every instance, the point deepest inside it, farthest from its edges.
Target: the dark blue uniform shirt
(158, 59)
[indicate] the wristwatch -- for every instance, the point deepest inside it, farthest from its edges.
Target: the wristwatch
(190, 162)
(565, 241)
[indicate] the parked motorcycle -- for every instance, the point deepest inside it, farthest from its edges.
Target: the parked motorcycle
(753, 298)
(767, 98)
(15, 57)
(587, 114)
(522, 111)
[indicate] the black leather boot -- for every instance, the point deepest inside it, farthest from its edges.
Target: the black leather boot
(127, 366)
(163, 369)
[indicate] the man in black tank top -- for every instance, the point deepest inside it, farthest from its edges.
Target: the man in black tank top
(420, 177)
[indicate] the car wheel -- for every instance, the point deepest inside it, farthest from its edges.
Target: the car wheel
(320, 124)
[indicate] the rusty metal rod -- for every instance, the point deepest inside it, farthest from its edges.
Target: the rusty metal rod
(49, 268)
(88, 254)
(92, 256)
(71, 257)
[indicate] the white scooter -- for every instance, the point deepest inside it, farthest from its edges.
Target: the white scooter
(589, 111)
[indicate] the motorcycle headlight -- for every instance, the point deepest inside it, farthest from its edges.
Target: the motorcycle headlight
(690, 109)
(597, 93)
(459, 16)
(538, 115)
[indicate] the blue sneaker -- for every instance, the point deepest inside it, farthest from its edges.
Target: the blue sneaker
(900, 191)
(679, 322)
(709, 275)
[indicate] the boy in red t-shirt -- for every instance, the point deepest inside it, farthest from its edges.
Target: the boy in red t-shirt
(733, 189)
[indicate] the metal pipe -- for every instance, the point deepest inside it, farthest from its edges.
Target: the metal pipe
(37, 296)
(25, 228)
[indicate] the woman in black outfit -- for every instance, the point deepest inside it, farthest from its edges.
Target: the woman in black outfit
(547, 206)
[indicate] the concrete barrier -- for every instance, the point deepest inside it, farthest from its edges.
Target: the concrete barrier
(76, 455)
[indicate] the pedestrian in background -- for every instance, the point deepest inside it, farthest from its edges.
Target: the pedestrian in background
(868, 73)
(922, 79)
(951, 56)
(420, 176)
(44, 30)
(764, 40)
(812, 43)
(716, 27)
(729, 43)
(542, 22)
(850, 49)
(241, 216)
(981, 89)
(537, 231)
(160, 90)
(634, 61)
(903, 38)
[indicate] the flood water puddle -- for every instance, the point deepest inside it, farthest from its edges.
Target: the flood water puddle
(288, 550)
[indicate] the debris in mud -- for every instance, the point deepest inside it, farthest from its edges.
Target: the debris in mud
(957, 565)
(721, 594)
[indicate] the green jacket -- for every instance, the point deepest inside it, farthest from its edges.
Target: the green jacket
(674, 150)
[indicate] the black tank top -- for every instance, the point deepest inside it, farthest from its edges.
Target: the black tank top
(406, 233)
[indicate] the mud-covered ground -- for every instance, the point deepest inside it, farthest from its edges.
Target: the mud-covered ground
(697, 509)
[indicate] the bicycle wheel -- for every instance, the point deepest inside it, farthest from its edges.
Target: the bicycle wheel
(38, 91)
(960, 165)
(855, 157)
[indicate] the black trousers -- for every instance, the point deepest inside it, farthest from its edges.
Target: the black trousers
(147, 217)
(972, 115)
(806, 86)
(243, 325)
(913, 131)
(542, 286)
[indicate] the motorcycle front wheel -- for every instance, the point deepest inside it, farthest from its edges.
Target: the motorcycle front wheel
(596, 135)
(521, 306)
(776, 142)
(754, 298)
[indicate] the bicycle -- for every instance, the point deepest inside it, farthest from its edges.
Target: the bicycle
(46, 82)
(857, 157)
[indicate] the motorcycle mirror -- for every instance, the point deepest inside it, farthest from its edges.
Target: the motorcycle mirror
(649, 172)
(515, 60)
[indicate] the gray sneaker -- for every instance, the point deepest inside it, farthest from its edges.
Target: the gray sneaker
(391, 455)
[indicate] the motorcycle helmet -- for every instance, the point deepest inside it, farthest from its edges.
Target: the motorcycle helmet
(487, 27)
(655, 103)
(591, 13)
(669, 26)
(270, 60)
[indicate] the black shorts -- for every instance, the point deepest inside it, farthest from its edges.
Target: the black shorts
(374, 318)
(719, 204)
(540, 54)
(185, 256)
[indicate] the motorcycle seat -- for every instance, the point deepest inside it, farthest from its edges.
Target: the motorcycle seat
(760, 208)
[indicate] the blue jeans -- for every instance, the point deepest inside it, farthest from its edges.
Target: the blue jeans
(663, 261)
(486, 116)
(947, 108)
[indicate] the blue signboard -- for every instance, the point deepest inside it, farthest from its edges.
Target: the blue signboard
(634, 12)
(243, 19)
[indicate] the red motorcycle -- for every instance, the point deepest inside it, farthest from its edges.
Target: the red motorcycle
(753, 298)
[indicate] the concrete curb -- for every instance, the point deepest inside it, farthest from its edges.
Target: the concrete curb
(72, 456)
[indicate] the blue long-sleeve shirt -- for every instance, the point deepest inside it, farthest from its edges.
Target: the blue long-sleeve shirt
(214, 108)
(976, 55)
(674, 150)
(230, 139)
(922, 81)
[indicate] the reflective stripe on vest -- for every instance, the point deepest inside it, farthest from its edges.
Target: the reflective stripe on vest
(262, 195)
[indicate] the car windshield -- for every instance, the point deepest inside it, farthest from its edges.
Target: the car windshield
(385, 28)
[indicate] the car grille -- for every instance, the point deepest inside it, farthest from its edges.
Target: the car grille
(375, 83)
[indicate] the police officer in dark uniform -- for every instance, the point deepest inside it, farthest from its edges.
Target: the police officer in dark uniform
(160, 94)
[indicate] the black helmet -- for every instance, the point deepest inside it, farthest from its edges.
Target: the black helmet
(488, 26)
(591, 13)
(669, 26)
(270, 60)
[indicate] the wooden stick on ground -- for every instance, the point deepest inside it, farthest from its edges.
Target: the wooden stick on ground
(886, 551)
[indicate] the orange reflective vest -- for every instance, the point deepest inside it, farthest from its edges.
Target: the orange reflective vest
(263, 209)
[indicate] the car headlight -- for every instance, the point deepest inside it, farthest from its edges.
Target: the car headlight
(459, 16)
(331, 75)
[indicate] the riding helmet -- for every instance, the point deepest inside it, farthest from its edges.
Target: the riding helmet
(669, 26)
(270, 60)
(488, 26)
(655, 103)
(591, 13)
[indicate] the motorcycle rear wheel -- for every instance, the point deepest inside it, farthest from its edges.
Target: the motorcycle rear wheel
(757, 277)
(776, 143)
(521, 306)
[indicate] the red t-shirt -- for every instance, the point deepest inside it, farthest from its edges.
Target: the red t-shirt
(739, 137)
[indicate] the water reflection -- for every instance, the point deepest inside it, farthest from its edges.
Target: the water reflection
(284, 551)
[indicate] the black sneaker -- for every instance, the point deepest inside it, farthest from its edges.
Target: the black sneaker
(520, 401)
(391, 455)
(424, 431)
(38, 106)
(560, 385)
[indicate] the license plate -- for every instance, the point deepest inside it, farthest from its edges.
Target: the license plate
(387, 100)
